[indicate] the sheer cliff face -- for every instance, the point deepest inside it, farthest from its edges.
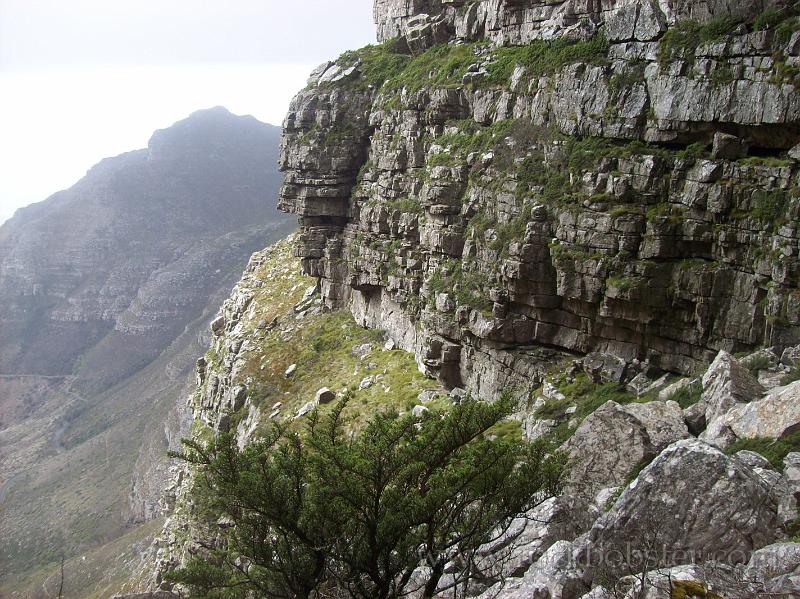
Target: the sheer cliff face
(106, 291)
(626, 182)
(520, 21)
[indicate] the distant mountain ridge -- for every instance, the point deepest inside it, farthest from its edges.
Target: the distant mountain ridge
(106, 290)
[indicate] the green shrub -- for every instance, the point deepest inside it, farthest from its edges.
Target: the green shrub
(693, 151)
(333, 513)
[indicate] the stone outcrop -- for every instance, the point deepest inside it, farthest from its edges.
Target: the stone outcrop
(775, 416)
(426, 22)
(726, 384)
(603, 190)
(692, 500)
(505, 211)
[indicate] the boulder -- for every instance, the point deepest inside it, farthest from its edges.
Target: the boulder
(608, 446)
(528, 537)
(794, 153)
(218, 326)
(535, 428)
(710, 579)
(307, 407)
(776, 568)
(604, 367)
(791, 472)
(663, 421)
(324, 395)
(555, 575)
(791, 357)
(776, 415)
(691, 502)
(419, 411)
(726, 383)
(614, 441)
(728, 147)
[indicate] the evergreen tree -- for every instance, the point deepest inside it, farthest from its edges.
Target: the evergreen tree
(373, 514)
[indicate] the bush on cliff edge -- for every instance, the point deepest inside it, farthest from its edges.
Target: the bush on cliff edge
(375, 513)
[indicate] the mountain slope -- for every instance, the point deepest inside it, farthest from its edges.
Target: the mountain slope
(107, 289)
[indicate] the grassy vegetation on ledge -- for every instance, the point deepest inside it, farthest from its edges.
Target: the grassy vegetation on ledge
(322, 348)
(682, 39)
(772, 449)
(542, 57)
(388, 67)
(586, 396)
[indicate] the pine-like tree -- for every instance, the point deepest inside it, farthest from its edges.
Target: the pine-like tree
(377, 513)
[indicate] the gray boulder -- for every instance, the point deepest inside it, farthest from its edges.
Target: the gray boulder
(555, 575)
(607, 447)
(777, 569)
(663, 421)
(604, 367)
(615, 440)
(692, 502)
(708, 579)
(530, 535)
(728, 147)
(726, 383)
(776, 415)
(324, 395)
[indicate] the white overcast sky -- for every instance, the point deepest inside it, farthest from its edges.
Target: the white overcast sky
(81, 80)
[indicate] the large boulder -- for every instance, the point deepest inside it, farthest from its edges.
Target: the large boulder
(531, 534)
(710, 579)
(775, 416)
(663, 421)
(777, 569)
(555, 575)
(726, 384)
(607, 447)
(615, 441)
(692, 502)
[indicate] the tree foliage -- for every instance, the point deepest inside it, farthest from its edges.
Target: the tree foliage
(377, 513)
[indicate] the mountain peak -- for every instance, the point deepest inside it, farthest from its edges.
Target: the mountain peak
(206, 129)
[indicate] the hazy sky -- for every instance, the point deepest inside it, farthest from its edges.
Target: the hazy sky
(81, 80)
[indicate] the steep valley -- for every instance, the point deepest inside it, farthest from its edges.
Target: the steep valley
(107, 291)
(589, 205)
(592, 205)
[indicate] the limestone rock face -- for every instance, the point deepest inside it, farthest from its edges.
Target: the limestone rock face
(490, 221)
(692, 499)
(429, 21)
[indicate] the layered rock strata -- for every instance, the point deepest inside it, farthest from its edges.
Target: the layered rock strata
(630, 193)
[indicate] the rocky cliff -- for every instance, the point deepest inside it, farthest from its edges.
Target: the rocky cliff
(591, 203)
(107, 289)
(624, 182)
